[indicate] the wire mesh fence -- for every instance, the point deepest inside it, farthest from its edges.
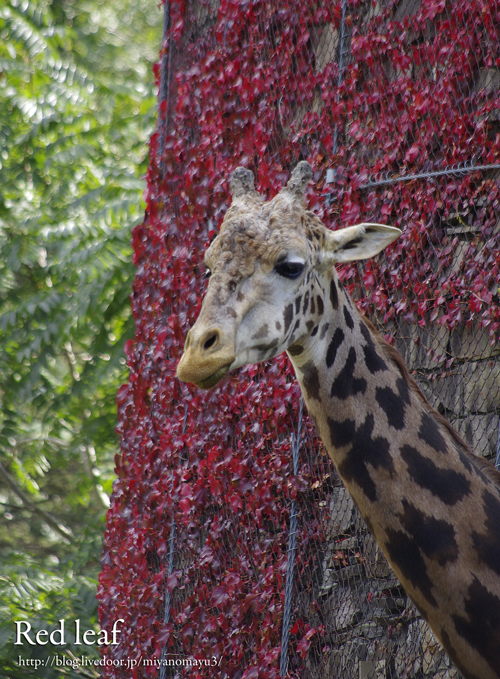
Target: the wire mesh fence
(364, 624)
(396, 102)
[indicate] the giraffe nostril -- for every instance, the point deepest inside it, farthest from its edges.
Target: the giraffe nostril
(210, 341)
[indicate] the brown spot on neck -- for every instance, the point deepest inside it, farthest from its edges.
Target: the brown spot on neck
(334, 295)
(310, 380)
(296, 349)
(445, 427)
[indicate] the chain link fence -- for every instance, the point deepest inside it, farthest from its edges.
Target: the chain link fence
(341, 587)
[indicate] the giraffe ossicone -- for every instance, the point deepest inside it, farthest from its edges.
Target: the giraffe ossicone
(433, 507)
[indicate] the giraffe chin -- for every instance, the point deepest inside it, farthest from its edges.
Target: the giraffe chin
(213, 379)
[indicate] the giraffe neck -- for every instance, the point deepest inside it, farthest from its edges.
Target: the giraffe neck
(356, 396)
(413, 481)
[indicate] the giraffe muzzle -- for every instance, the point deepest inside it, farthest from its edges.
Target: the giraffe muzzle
(205, 360)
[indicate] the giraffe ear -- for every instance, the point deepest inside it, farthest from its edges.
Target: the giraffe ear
(241, 183)
(357, 242)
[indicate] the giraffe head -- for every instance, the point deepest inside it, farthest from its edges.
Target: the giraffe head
(267, 275)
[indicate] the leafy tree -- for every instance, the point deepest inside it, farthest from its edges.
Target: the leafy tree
(76, 110)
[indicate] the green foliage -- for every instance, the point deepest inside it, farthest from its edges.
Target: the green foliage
(76, 110)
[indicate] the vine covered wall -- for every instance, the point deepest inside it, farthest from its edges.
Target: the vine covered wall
(196, 545)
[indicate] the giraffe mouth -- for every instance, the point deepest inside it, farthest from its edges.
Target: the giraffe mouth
(214, 378)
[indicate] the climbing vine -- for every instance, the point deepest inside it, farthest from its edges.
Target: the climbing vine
(258, 84)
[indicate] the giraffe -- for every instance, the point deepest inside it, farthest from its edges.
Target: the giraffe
(433, 506)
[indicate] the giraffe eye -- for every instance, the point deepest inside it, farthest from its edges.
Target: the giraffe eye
(289, 269)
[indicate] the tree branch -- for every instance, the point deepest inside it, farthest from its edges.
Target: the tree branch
(50, 520)
(89, 469)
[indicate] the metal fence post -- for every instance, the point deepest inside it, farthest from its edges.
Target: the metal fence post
(170, 570)
(165, 72)
(292, 548)
(330, 173)
(497, 460)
